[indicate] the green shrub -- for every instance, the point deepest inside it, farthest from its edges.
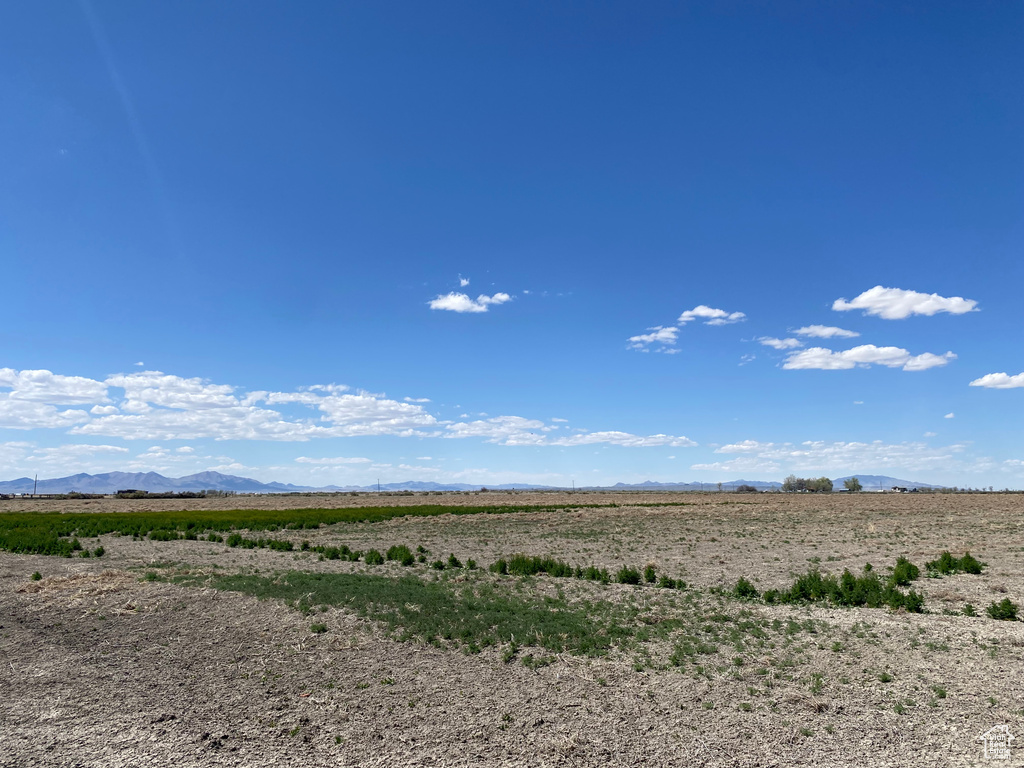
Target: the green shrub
(947, 565)
(969, 610)
(318, 629)
(454, 562)
(471, 564)
(99, 552)
(402, 554)
(627, 575)
(650, 576)
(373, 557)
(437, 565)
(904, 572)
(37, 576)
(1004, 610)
(500, 567)
(667, 582)
(745, 590)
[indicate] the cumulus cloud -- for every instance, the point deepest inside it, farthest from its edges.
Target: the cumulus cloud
(658, 335)
(825, 332)
(160, 407)
(950, 415)
(896, 303)
(416, 399)
(834, 456)
(710, 315)
(42, 386)
(334, 460)
(864, 356)
(999, 381)
(774, 343)
(460, 302)
(463, 282)
(515, 430)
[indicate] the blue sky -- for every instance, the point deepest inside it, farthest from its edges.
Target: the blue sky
(498, 242)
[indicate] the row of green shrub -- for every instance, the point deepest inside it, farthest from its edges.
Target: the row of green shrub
(526, 565)
(867, 589)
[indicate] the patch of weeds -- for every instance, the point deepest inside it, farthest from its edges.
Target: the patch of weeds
(318, 629)
(454, 562)
(969, 610)
(939, 691)
(1004, 610)
(817, 683)
(478, 615)
(471, 564)
(509, 654)
(37, 576)
(650, 575)
(885, 677)
(373, 557)
(437, 565)
(151, 576)
(746, 706)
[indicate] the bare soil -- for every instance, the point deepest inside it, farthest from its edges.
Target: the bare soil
(100, 667)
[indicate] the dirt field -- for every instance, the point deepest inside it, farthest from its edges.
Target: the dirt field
(107, 662)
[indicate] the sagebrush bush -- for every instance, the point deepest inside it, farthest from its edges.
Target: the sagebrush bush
(454, 562)
(650, 575)
(373, 557)
(904, 572)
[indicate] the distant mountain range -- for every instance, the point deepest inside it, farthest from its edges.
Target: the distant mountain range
(111, 482)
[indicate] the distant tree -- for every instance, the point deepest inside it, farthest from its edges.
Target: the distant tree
(820, 485)
(792, 484)
(719, 487)
(853, 484)
(745, 489)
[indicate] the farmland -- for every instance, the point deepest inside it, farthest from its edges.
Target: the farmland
(510, 629)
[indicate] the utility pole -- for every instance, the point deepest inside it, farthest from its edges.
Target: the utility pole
(35, 485)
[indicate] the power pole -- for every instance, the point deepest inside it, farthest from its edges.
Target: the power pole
(35, 485)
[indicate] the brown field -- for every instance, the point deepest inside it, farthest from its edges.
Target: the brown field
(100, 667)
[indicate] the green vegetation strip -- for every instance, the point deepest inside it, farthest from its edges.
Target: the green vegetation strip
(46, 533)
(474, 616)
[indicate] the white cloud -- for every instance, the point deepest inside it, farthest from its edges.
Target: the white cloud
(999, 381)
(103, 410)
(460, 302)
(515, 430)
(41, 386)
(416, 399)
(659, 335)
(825, 332)
(140, 363)
(463, 282)
(896, 303)
(834, 456)
(950, 415)
(23, 414)
(864, 356)
(930, 434)
(774, 343)
(560, 421)
(167, 391)
(334, 460)
(711, 316)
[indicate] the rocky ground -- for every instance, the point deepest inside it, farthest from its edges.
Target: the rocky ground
(109, 662)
